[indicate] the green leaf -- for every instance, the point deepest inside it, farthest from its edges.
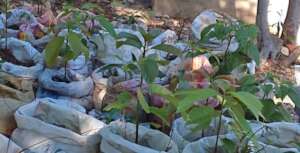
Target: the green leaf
(233, 60)
(68, 56)
(115, 105)
(109, 66)
(168, 48)
(76, 44)
(147, 36)
(201, 116)
(107, 26)
(130, 67)
(190, 96)
(142, 101)
(162, 113)
(252, 52)
(275, 113)
(267, 88)
(238, 114)
(163, 62)
(121, 103)
(52, 50)
(229, 145)
(206, 31)
(281, 91)
(158, 89)
(222, 84)
(126, 38)
(250, 101)
(204, 92)
(249, 84)
(149, 69)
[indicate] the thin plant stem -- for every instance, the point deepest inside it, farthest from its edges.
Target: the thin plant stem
(219, 125)
(138, 104)
(227, 49)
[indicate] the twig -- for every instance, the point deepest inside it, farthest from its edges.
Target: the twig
(219, 125)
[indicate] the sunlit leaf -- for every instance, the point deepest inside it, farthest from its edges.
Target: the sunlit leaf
(250, 101)
(191, 96)
(158, 89)
(142, 101)
(168, 48)
(107, 26)
(201, 117)
(149, 69)
(52, 50)
(126, 38)
(162, 113)
(76, 44)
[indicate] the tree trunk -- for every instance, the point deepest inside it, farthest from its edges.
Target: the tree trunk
(291, 33)
(267, 43)
(292, 57)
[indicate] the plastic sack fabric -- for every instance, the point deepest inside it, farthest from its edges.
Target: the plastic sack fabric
(21, 16)
(25, 53)
(110, 54)
(75, 89)
(55, 128)
(182, 133)
(2, 26)
(14, 92)
(8, 146)
(100, 89)
(118, 137)
(16, 87)
(207, 144)
(276, 137)
(279, 134)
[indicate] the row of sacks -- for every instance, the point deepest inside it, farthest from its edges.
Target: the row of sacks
(22, 60)
(23, 67)
(48, 125)
(276, 137)
(56, 126)
(22, 24)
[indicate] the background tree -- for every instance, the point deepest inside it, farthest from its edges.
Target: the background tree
(268, 44)
(290, 36)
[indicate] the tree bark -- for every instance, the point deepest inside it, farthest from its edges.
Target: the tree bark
(291, 33)
(267, 43)
(292, 57)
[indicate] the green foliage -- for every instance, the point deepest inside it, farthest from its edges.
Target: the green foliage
(244, 34)
(142, 101)
(52, 50)
(190, 96)
(286, 89)
(79, 16)
(229, 145)
(149, 69)
(107, 25)
(271, 111)
(76, 45)
(74, 42)
(126, 38)
(162, 113)
(72, 49)
(249, 84)
(250, 101)
(200, 116)
(275, 112)
(121, 103)
(168, 48)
